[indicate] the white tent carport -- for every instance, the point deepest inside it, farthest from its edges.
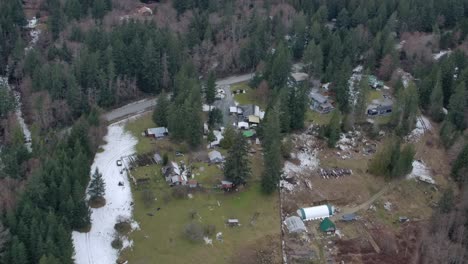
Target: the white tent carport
(316, 212)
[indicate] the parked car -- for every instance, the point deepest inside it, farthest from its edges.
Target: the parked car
(119, 163)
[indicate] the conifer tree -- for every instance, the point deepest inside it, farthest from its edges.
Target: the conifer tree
(313, 59)
(437, 100)
(210, 90)
(457, 104)
(361, 103)
(237, 166)
(161, 111)
(272, 151)
(96, 187)
(333, 129)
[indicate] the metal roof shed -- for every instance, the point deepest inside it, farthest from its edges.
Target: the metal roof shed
(215, 156)
(295, 224)
(316, 212)
(348, 217)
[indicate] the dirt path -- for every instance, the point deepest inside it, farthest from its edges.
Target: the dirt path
(365, 205)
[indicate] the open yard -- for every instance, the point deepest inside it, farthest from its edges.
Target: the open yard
(317, 118)
(249, 97)
(163, 213)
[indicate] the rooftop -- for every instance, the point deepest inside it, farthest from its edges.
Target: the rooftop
(318, 97)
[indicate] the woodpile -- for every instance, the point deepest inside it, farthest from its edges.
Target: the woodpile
(334, 173)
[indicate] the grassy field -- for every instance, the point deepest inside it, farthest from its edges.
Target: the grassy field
(248, 97)
(161, 236)
(161, 239)
(245, 98)
(317, 118)
(374, 95)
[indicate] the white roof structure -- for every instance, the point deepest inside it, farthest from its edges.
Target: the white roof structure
(157, 131)
(207, 108)
(233, 109)
(243, 125)
(175, 167)
(295, 224)
(316, 212)
(258, 112)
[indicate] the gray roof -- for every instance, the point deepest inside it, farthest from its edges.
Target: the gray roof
(158, 131)
(349, 217)
(295, 224)
(247, 109)
(215, 156)
(318, 97)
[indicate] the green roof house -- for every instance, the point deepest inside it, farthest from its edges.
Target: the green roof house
(374, 82)
(327, 225)
(248, 133)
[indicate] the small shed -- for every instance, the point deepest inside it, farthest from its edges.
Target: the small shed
(243, 125)
(233, 222)
(157, 158)
(380, 107)
(316, 212)
(179, 180)
(254, 119)
(215, 156)
(157, 132)
(299, 76)
(248, 133)
(233, 110)
(327, 225)
(374, 82)
(320, 103)
(226, 185)
(192, 184)
(295, 224)
(348, 217)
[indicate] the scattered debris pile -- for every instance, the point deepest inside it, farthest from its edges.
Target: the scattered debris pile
(328, 173)
(302, 163)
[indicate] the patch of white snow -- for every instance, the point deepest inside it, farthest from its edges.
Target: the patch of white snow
(421, 172)
(422, 125)
(95, 246)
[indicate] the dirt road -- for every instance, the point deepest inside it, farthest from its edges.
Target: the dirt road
(365, 205)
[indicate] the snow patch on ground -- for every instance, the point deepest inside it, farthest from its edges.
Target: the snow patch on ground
(95, 246)
(421, 172)
(422, 125)
(308, 161)
(440, 54)
(18, 113)
(127, 243)
(219, 136)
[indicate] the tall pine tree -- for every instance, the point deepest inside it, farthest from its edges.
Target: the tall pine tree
(237, 166)
(161, 111)
(272, 151)
(97, 187)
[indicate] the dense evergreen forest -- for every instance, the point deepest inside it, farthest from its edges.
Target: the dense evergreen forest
(91, 57)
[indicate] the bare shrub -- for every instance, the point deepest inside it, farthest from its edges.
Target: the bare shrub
(193, 232)
(209, 230)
